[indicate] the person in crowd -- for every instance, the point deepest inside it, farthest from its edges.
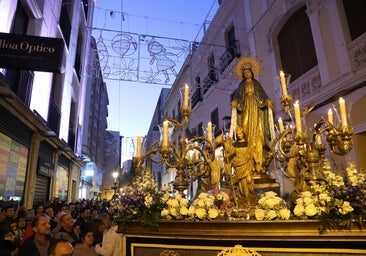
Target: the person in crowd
(21, 211)
(9, 245)
(83, 220)
(39, 209)
(65, 208)
(61, 248)
(97, 226)
(2, 215)
(86, 247)
(15, 230)
(112, 242)
(53, 220)
(58, 225)
(39, 242)
(93, 212)
(9, 215)
(21, 225)
(67, 230)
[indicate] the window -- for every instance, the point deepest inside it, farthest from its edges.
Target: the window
(296, 45)
(232, 50)
(200, 129)
(355, 13)
(215, 119)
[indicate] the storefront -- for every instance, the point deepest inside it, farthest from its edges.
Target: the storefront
(15, 141)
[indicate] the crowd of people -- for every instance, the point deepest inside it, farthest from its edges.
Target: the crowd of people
(56, 228)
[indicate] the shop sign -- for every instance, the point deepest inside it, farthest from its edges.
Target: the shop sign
(45, 168)
(31, 52)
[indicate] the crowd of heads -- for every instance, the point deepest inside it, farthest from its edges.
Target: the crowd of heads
(61, 226)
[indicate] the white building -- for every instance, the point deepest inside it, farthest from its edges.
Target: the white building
(42, 97)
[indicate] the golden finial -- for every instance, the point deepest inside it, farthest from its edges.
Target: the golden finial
(238, 250)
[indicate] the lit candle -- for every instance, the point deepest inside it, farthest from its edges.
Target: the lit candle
(196, 155)
(342, 108)
(297, 117)
(283, 83)
(318, 139)
(138, 146)
(209, 131)
(165, 133)
(330, 116)
(186, 96)
(280, 124)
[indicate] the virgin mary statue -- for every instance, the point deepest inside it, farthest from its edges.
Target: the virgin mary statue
(252, 110)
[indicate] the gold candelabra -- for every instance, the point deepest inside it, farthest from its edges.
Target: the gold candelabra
(193, 158)
(294, 148)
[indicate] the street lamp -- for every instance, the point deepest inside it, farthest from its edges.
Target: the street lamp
(115, 175)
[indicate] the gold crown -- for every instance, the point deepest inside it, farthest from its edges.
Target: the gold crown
(247, 63)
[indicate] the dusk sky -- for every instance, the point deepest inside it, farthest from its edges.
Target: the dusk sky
(133, 103)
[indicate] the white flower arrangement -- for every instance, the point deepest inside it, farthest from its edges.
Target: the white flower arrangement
(307, 205)
(176, 208)
(271, 206)
(336, 201)
(207, 206)
(204, 207)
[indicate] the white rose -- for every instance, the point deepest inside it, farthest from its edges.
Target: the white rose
(213, 213)
(183, 202)
(173, 211)
(346, 208)
(306, 194)
(308, 200)
(200, 203)
(310, 210)
(285, 214)
(270, 194)
(271, 214)
(270, 203)
(299, 210)
(184, 211)
(259, 214)
(324, 197)
(262, 200)
(164, 212)
(203, 196)
(174, 203)
(201, 213)
(209, 202)
(191, 210)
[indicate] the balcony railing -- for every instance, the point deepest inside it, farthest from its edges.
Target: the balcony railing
(229, 55)
(54, 117)
(209, 80)
(196, 97)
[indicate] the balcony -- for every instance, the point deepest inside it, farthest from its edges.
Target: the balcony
(196, 97)
(229, 55)
(54, 117)
(209, 80)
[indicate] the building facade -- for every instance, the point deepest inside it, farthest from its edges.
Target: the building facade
(319, 43)
(94, 127)
(42, 98)
(153, 135)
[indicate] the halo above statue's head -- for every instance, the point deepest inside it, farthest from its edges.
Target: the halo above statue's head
(247, 63)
